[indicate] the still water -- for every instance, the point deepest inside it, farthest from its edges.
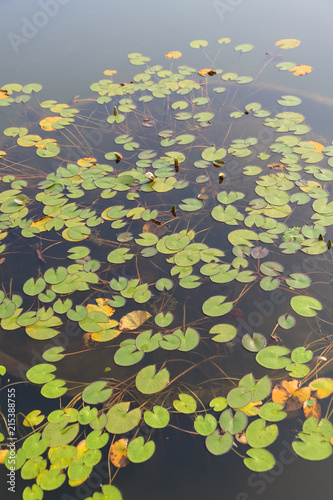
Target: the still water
(65, 45)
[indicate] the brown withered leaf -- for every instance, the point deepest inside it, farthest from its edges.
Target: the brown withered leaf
(241, 437)
(275, 165)
(133, 320)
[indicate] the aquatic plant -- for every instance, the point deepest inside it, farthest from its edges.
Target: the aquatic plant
(206, 215)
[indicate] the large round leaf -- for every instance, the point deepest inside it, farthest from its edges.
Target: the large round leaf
(305, 306)
(215, 306)
(120, 420)
(273, 357)
(148, 381)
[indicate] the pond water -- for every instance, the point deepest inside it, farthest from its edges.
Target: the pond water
(191, 196)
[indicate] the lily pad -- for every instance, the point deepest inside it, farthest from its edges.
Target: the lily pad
(148, 381)
(273, 357)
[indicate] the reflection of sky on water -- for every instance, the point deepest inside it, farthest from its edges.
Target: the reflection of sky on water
(79, 39)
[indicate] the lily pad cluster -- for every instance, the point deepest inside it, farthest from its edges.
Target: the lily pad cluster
(152, 242)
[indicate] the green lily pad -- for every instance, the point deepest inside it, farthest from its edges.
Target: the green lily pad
(215, 306)
(191, 204)
(238, 397)
(301, 355)
(205, 425)
(260, 460)
(273, 357)
(60, 434)
(185, 404)
(305, 306)
(54, 389)
(54, 277)
(96, 393)
(234, 424)
(219, 444)
(286, 321)
(148, 381)
(219, 403)
(272, 412)
(138, 451)
(223, 332)
(298, 280)
(297, 370)
(42, 373)
(127, 355)
(120, 420)
(188, 340)
(196, 44)
(312, 446)
(32, 288)
(254, 343)
(259, 435)
(119, 256)
(158, 418)
(53, 354)
(52, 480)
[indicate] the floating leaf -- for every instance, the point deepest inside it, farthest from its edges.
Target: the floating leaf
(96, 393)
(158, 418)
(290, 394)
(223, 332)
(118, 453)
(138, 451)
(148, 381)
(273, 357)
(312, 446)
(133, 320)
(205, 425)
(259, 435)
(120, 420)
(305, 306)
(233, 423)
(260, 460)
(196, 44)
(322, 386)
(218, 444)
(288, 43)
(254, 343)
(245, 47)
(215, 306)
(174, 54)
(185, 404)
(301, 69)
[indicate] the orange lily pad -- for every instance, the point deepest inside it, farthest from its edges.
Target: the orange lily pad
(118, 453)
(289, 394)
